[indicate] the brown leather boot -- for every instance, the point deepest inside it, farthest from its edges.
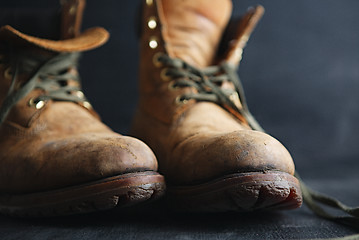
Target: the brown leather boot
(56, 157)
(193, 114)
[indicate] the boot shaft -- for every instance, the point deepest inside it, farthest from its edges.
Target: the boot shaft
(186, 30)
(34, 71)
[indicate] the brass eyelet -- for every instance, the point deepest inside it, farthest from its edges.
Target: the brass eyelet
(72, 10)
(153, 42)
(8, 73)
(149, 2)
(164, 75)
(171, 86)
(152, 22)
(38, 104)
(87, 105)
(155, 59)
(180, 100)
(80, 94)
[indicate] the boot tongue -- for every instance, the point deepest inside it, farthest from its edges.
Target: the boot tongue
(193, 29)
(237, 34)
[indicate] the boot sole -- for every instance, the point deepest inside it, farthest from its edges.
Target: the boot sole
(239, 192)
(118, 191)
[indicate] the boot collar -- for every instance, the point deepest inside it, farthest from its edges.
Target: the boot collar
(233, 41)
(87, 40)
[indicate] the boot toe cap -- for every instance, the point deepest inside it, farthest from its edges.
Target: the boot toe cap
(122, 155)
(76, 160)
(104, 156)
(256, 151)
(204, 157)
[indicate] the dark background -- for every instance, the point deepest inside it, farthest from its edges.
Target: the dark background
(300, 71)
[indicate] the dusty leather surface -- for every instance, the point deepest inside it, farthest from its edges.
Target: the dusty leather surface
(63, 143)
(197, 141)
(300, 71)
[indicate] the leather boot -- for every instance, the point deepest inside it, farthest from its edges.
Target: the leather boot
(56, 157)
(192, 111)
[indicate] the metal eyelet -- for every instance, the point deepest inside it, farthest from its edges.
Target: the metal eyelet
(180, 100)
(171, 86)
(8, 73)
(156, 61)
(36, 103)
(149, 2)
(164, 75)
(153, 42)
(72, 10)
(79, 94)
(152, 22)
(87, 105)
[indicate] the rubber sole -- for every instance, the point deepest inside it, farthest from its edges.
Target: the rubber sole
(239, 192)
(118, 191)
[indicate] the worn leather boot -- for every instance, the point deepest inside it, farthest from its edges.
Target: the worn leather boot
(56, 157)
(193, 114)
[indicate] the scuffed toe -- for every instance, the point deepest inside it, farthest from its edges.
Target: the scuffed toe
(207, 156)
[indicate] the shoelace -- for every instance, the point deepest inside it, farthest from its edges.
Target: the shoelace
(207, 83)
(51, 76)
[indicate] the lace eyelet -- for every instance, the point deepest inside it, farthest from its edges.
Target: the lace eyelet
(72, 10)
(63, 83)
(8, 74)
(79, 94)
(87, 105)
(36, 103)
(156, 61)
(180, 100)
(152, 22)
(172, 87)
(164, 75)
(153, 42)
